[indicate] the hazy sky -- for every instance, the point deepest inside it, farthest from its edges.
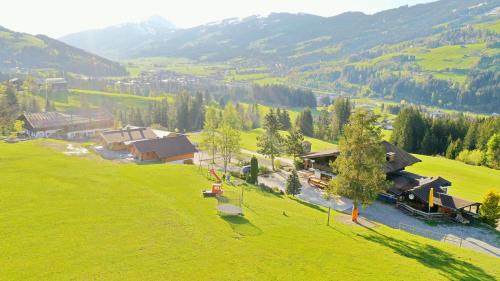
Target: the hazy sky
(59, 17)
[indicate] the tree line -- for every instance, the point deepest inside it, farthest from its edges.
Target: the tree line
(471, 140)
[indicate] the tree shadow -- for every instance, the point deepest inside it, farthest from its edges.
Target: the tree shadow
(431, 257)
(242, 226)
(307, 204)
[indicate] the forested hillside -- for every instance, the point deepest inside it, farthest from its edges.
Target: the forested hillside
(21, 50)
(443, 53)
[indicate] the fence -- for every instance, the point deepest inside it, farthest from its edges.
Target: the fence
(416, 212)
(432, 234)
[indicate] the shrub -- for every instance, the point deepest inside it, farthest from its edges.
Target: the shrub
(263, 170)
(277, 164)
(293, 185)
(254, 170)
(493, 152)
(490, 210)
(298, 163)
(472, 157)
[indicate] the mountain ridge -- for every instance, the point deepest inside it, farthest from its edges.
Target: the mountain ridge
(23, 50)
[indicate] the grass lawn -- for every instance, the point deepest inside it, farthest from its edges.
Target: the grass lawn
(81, 218)
(468, 182)
(96, 98)
(249, 140)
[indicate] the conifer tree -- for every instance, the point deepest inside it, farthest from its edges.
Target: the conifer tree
(293, 185)
(254, 170)
(270, 142)
(361, 163)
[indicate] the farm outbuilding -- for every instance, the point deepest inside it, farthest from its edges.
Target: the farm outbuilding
(67, 125)
(121, 139)
(172, 149)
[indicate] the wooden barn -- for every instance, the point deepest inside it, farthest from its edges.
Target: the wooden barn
(173, 149)
(70, 125)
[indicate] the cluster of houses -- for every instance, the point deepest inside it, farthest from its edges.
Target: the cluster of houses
(411, 192)
(49, 84)
(145, 144)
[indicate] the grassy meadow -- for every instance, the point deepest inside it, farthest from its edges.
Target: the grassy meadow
(469, 182)
(249, 140)
(82, 218)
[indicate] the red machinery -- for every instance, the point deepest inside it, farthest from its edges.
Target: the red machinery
(216, 187)
(216, 190)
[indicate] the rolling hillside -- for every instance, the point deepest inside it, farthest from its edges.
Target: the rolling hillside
(116, 41)
(21, 50)
(301, 38)
(100, 220)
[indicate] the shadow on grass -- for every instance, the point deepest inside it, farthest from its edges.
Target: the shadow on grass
(242, 226)
(307, 204)
(431, 257)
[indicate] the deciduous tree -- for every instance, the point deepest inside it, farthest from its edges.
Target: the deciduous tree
(490, 209)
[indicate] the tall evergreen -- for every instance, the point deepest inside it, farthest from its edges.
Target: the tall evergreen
(409, 130)
(361, 163)
(293, 185)
(341, 113)
(304, 122)
(270, 142)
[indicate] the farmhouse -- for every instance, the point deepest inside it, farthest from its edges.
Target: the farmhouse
(409, 191)
(54, 85)
(172, 149)
(413, 191)
(74, 125)
(396, 159)
(122, 138)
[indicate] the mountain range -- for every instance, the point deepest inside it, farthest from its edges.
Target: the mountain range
(22, 50)
(119, 40)
(281, 37)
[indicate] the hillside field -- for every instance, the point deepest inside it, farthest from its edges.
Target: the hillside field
(469, 182)
(82, 218)
(249, 140)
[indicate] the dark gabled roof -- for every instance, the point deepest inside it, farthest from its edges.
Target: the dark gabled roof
(440, 197)
(166, 147)
(51, 120)
(401, 183)
(128, 135)
(323, 153)
(401, 158)
(453, 202)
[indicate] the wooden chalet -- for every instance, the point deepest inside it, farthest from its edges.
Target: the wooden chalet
(121, 139)
(72, 125)
(413, 191)
(408, 190)
(396, 159)
(172, 149)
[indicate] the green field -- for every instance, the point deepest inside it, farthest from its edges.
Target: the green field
(469, 182)
(75, 97)
(82, 218)
(249, 140)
